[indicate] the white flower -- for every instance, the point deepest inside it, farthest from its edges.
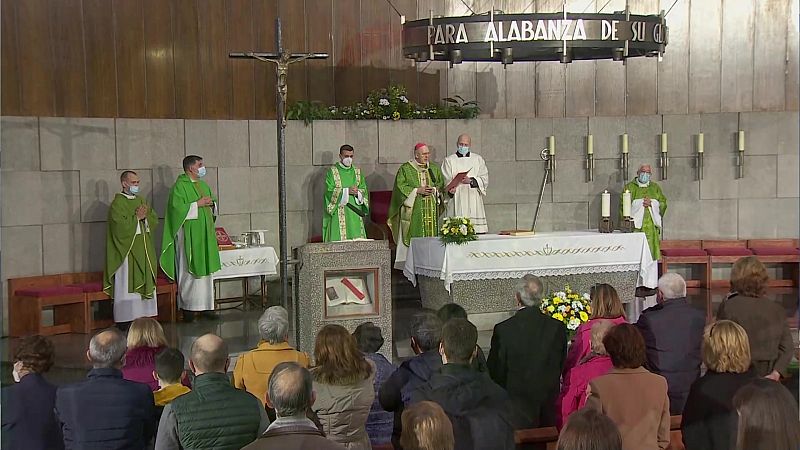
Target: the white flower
(383, 102)
(586, 296)
(562, 308)
(573, 324)
(463, 229)
(577, 305)
(403, 99)
(562, 295)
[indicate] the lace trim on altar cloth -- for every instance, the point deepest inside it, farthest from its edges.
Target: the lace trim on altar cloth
(538, 272)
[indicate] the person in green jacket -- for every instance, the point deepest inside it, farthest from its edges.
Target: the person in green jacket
(189, 250)
(648, 206)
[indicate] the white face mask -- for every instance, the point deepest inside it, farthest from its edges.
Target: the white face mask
(15, 371)
(347, 161)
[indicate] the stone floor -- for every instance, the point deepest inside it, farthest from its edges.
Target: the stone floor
(239, 328)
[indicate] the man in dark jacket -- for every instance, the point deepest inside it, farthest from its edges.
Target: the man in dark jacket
(105, 411)
(290, 394)
(481, 412)
(673, 333)
(214, 415)
(426, 333)
(527, 355)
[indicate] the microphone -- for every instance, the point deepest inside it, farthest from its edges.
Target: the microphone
(430, 174)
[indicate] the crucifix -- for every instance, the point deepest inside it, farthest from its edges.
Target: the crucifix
(282, 59)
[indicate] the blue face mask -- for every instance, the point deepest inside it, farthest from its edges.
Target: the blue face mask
(201, 172)
(644, 178)
(463, 150)
(133, 190)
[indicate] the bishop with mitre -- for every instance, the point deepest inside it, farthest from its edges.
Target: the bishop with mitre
(467, 178)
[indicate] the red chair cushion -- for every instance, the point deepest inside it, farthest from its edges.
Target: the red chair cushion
(728, 251)
(775, 251)
(49, 291)
(314, 239)
(163, 281)
(683, 252)
(379, 202)
(91, 287)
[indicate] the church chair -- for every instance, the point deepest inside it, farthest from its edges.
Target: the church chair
(544, 435)
(91, 283)
(723, 252)
(166, 296)
(29, 296)
(782, 252)
(690, 253)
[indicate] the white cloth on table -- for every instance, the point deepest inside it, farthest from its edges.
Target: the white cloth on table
(468, 201)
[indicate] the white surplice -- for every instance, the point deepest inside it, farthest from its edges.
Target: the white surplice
(468, 201)
(194, 294)
(130, 306)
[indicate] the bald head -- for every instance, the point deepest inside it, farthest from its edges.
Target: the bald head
(464, 140)
(290, 389)
(107, 349)
(422, 154)
(645, 168)
(209, 354)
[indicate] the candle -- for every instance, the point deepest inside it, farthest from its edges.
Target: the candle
(625, 143)
(589, 145)
(741, 140)
(700, 143)
(606, 204)
(663, 142)
(551, 144)
(626, 203)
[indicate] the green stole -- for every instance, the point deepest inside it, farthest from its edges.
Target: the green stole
(199, 236)
(423, 219)
(340, 222)
(649, 228)
(123, 242)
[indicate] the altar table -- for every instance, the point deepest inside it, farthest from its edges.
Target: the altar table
(243, 263)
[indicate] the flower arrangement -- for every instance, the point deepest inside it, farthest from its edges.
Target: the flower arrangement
(568, 307)
(457, 230)
(390, 103)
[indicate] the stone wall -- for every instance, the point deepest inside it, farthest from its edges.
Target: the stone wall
(60, 174)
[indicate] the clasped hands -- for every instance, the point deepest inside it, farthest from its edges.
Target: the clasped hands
(646, 202)
(425, 190)
(141, 211)
(353, 190)
(205, 201)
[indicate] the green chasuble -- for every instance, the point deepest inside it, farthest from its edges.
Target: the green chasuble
(412, 215)
(341, 222)
(123, 242)
(653, 233)
(199, 236)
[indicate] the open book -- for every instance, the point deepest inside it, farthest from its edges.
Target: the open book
(343, 291)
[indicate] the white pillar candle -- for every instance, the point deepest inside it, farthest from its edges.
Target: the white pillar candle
(551, 144)
(605, 204)
(589, 145)
(625, 143)
(741, 140)
(626, 203)
(663, 142)
(700, 143)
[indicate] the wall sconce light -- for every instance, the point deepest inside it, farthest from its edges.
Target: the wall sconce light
(551, 160)
(700, 152)
(590, 156)
(455, 57)
(663, 161)
(624, 161)
(507, 56)
(740, 156)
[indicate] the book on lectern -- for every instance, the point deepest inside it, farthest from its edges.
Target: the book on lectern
(344, 291)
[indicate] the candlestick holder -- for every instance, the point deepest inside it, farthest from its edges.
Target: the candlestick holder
(626, 225)
(551, 166)
(605, 225)
(624, 166)
(663, 163)
(699, 166)
(740, 163)
(590, 165)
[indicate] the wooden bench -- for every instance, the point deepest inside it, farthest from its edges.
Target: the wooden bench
(549, 435)
(723, 252)
(689, 253)
(71, 296)
(778, 251)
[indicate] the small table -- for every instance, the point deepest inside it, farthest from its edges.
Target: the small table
(243, 263)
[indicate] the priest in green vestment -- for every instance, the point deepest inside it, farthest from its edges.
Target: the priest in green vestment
(346, 200)
(648, 206)
(129, 275)
(189, 250)
(416, 201)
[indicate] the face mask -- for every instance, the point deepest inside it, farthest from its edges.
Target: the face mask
(133, 190)
(644, 178)
(15, 373)
(463, 150)
(201, 172)
(348, 161)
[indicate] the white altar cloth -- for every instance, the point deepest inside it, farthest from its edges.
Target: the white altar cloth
(247, 262)
(557, 253)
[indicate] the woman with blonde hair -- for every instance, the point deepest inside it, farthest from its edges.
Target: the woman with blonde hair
(767, 417)
(763, 319)
(343, 380)
(145, 339)
(709, 417)
(426, 427)
(606, 305)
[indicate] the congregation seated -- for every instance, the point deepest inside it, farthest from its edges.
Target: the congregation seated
(606, 305)
(480, 411)
(456, 311)
(673, 333)
(214, 414)
(253, 369)
(593, 365)
(426, 333)
(527, 355)
(379, 422)
(169, 373)
(764, 320)
(146, 339)
(291, 395)
(426, 427)
(632, 397)
(709, 419)
(343, 384)
(27, 409)
(105, 410)
(589, 429)
(767, 417)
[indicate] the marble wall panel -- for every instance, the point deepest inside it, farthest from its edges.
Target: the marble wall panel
(529, 176)
(99, 187)
(682, 182)
(570, 181)
(300, 180)
(72, 143)
(149, 143)
(35, 198)
(719, 178)
(498, 139)
(716, 219)
(502, 184)
(298, 143)
(555, 216)
(263, 143)
(570, 137)
(501, 217)
(607, 136)
(532, 137)
(22, 251)
(221, 143)
(607, 176)
(235, 190)
(363, 136)
(768, 218)
(719, 133)
(396, 142)
(682, 131)
(644, 140)
(264, 189)
(19, 142)
(327, 137)
(770, 133)
(788, 176)
(78, 247)
(760, 177)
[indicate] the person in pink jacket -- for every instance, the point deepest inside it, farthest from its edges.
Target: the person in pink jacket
(605, 305)
(593, 365)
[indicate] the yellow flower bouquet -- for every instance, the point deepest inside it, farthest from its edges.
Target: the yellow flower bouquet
(457, 230)
(568, 307)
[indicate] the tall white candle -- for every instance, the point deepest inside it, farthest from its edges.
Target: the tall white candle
(589, 145)
(626, 203)
(551, 144)
(741, 140)
(625, 143)
(605, 204)
(700, 143)
(663, 142)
